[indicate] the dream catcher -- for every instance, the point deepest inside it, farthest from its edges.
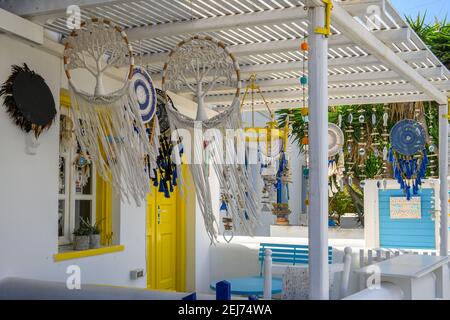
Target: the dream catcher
(109, 126)
(66, 133)
(29, 102)
(408, 155)
(82, 164)
(336, 167)
(199, 64)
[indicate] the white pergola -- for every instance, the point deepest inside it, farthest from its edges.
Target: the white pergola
(372, 56)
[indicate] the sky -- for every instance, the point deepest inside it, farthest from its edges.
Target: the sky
(434, 8)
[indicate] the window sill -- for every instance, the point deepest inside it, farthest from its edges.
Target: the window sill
(71, 255)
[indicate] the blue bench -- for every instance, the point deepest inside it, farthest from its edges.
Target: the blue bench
(292, 254)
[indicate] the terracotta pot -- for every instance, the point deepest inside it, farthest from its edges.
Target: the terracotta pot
(81, 243)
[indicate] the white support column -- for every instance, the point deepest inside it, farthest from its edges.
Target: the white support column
(443, 173)
(318, 149)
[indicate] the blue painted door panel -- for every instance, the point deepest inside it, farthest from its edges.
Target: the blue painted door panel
(406, 233)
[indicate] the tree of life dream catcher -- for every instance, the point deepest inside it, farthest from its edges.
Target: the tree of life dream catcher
(199, 64)
(110, 126)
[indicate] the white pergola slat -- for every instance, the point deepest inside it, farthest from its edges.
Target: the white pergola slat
(265, 36)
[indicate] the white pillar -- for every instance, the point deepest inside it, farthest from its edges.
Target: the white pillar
(268, 275)
(443, 173)
(318, 150)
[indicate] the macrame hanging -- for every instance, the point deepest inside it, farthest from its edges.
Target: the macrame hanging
(200, 64)
(108, 126)
(408, 155)
(28, 100)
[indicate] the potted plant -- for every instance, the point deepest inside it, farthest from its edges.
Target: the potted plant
(81, 238)
(94, 234)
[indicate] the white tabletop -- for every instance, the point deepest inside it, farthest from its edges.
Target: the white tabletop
(407, 266)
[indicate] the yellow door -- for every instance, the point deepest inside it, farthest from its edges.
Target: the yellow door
(166, 241)
(161, 241)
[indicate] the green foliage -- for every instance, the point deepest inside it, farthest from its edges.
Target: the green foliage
(435, 35)
(87, 229)
(341, 204)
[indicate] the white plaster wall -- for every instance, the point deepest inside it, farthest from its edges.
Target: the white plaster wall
(28, 195)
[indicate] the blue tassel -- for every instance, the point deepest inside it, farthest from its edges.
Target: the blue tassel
(223, 206)
(391, 156)
(174, 177)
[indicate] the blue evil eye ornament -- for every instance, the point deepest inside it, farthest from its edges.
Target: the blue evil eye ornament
(145, 93)
(408, 137)
(303, 80)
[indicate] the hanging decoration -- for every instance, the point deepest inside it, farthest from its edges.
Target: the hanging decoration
(385, 137)
(362, 147)
(109, 126)
(200, 64)
(281, 207)
(336, 167)
(66, 133)
(350, 145)
(228, 233)
(408, 155)
(28, 100)
(82, 164)
(145, 93)
(163, 171)
(304, 47)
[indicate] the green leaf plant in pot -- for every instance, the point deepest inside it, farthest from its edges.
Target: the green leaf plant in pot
(81, 238)
(94, 234)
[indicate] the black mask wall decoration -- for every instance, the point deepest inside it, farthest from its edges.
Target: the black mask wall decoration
(28, 100)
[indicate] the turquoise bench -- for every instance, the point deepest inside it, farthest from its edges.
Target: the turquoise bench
(292, 254)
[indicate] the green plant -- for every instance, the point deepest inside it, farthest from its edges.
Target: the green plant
(92, 229)
(435, 35)
(82, 231)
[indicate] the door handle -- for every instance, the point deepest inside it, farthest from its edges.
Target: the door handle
(159, 214)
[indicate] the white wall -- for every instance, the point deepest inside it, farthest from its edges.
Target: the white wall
(28, 195)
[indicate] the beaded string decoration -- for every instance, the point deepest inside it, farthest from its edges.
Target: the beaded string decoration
(385, 138)
(349, 144)
(305, 112)
(432, 149)
(362, 144)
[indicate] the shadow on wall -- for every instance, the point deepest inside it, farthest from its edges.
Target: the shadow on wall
(233, 261)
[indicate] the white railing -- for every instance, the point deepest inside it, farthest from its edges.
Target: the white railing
(371, 256)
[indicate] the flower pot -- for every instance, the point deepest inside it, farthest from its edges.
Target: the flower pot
(81, 243)
(94, 241)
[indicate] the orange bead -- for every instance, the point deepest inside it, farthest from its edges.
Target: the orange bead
(305, 141)
(304, 46)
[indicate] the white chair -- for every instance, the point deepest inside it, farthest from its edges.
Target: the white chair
(296, 278)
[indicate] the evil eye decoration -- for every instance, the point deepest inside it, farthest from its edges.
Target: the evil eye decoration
(145, 93)
(408, 137)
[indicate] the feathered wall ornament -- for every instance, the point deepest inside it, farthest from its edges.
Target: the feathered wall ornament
(28, 100)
